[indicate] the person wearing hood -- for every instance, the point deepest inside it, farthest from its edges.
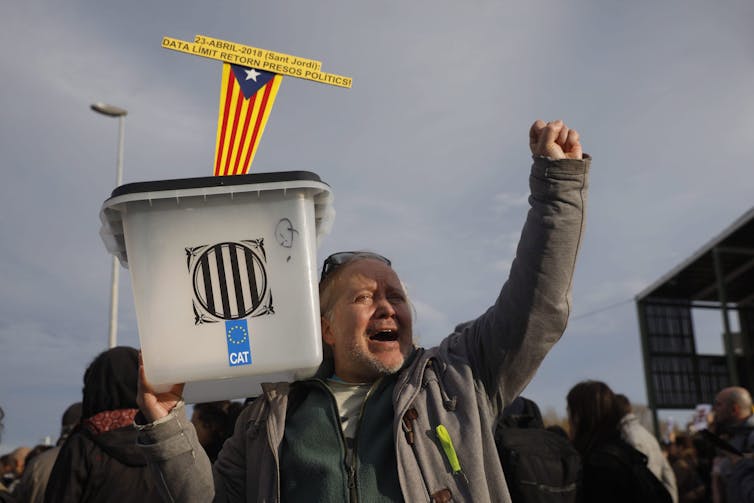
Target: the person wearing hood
(99, 461)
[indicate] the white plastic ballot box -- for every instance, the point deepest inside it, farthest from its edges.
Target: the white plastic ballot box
(224, 277)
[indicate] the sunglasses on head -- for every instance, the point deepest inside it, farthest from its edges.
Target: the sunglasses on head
(337, 259)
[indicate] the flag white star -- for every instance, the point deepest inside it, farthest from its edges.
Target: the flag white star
(252, 74)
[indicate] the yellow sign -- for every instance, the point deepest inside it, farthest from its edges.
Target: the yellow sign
(255, 60)
(262, 54)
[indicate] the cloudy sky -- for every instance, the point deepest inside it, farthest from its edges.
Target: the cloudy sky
(427, 155)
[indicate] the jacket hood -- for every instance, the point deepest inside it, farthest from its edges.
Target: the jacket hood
(121, 445)
(110, 381)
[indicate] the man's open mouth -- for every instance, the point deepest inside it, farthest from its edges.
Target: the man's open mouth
(384, 336)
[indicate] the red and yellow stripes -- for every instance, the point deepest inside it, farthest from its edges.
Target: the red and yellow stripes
(241, 122)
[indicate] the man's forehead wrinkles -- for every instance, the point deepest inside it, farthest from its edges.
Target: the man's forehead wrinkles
(360, 280)
(370, 271)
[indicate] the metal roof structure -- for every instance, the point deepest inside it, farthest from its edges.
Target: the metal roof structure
(696, 278)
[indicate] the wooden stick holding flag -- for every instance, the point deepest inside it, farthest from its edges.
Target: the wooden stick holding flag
(251, 78)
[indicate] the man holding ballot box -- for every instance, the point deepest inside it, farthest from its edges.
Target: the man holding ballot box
(384, 420)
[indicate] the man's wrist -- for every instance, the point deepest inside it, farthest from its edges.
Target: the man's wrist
(141, 421)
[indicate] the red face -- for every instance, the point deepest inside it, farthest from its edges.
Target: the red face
(369, 328)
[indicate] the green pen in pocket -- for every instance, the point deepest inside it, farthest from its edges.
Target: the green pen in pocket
(447, 447)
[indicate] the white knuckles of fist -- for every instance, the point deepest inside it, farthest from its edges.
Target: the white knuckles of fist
(554, 140)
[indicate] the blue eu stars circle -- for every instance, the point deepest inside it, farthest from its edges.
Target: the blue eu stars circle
(237, 334)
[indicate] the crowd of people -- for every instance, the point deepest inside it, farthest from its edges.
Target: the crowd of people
(96, 457)
(385, 420)
(692, 465)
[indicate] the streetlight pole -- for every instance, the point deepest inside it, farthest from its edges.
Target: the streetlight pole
(120, 113)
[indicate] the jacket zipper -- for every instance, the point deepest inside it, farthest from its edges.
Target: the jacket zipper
(350, 472)
(350, 463)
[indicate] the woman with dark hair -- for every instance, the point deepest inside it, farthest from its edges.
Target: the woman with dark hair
(99, 461)
(612, 470)
(593, 415)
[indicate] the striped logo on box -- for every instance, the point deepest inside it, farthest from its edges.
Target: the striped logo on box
(229, 281)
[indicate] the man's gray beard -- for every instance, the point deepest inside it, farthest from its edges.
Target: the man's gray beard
(376, 368)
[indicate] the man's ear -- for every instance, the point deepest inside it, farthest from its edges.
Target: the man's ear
(327, 334)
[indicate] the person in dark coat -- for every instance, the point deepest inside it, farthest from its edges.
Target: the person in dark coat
(99, 461)
(31, 487)
(594, 417)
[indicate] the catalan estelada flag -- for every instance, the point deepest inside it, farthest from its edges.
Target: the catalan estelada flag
(246, 98)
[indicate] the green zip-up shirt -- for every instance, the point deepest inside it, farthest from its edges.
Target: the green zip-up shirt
(313, 454)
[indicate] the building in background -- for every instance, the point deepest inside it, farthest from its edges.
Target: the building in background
(719, 277)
